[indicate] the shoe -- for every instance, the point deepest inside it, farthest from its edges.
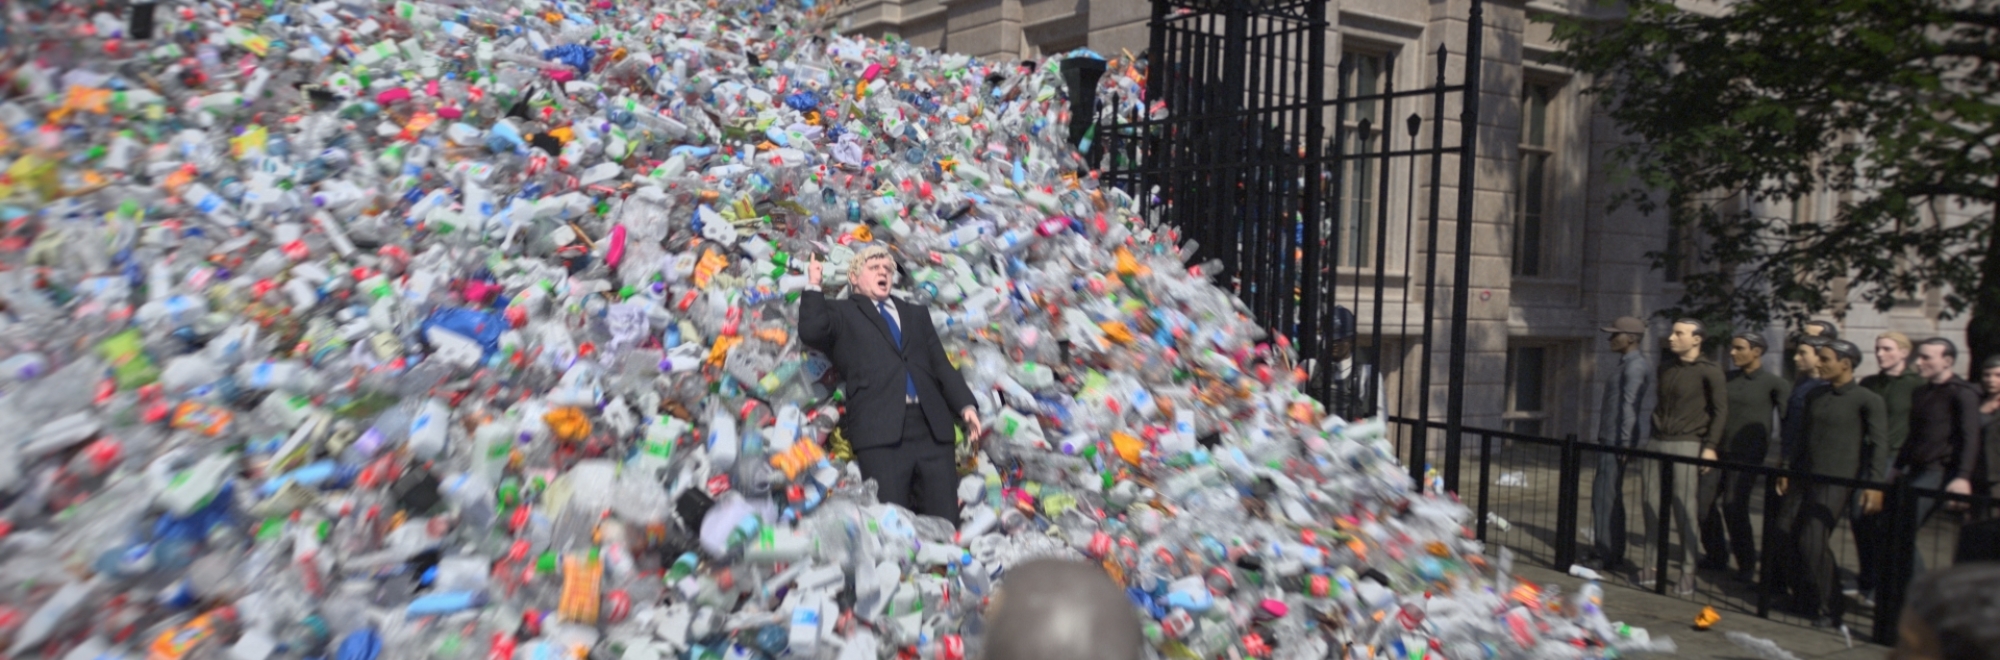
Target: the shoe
(1643, 578)
(1850, 591)
(1865, 598)
(1685, 587)
(1603, 565)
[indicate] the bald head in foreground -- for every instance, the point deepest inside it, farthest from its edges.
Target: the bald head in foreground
(1052, 609)
(1952, 614)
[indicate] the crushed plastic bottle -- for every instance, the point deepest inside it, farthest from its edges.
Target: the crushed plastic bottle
(461, 330)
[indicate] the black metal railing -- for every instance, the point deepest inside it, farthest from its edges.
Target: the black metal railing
(1238, 145)
(1531, 498)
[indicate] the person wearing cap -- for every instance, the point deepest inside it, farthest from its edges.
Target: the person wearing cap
(1779, 550)
(1688, 421)
(1846, 431)
(1895, 382)
(1355, 384)
(1979, 538)
(1989, 432)
(1822, 329)
(1805, 364)
(1756, 400)
(901, 389)
(1623, 422)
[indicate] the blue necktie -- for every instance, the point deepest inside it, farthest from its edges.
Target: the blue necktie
(896, 333)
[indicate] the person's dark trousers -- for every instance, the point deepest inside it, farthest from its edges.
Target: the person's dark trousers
(1979, 538)
(1872, 541)
(1781, 553)
(1888, 586)
(919, 473)
(1874, 538)
(1607, 510)
(1725, 507)
(1978, 541)
(1818, 586)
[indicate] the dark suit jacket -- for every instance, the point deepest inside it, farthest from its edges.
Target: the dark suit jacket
(853, 334)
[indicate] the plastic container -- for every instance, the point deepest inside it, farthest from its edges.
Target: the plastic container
(455, 330)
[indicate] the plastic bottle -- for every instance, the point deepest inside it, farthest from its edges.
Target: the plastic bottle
(429, 429)
(412, 366)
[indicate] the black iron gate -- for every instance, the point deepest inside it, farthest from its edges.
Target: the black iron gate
(1287, 192)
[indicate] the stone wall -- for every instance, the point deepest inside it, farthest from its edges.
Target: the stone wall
(1595, 265)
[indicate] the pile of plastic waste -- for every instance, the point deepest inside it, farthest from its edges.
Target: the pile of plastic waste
(433, 329)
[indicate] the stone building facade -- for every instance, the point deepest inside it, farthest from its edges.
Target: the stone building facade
(1551, 264)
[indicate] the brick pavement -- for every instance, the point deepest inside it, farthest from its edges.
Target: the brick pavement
(1666, 616)
(1523, 487)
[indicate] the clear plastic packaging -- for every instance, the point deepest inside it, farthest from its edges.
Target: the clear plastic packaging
(460, 330)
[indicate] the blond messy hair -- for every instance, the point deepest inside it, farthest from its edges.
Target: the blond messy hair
(1901, 339)
(866, 255)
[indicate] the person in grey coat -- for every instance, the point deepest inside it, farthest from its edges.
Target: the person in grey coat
(1624, 421)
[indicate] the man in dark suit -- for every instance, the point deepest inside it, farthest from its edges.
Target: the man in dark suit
(1356, 385)
(901, 389)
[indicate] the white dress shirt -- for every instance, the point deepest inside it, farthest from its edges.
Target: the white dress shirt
(890, 304)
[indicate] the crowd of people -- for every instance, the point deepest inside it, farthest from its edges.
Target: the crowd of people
(1916, 424)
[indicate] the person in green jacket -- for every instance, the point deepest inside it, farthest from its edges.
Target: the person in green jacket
(1845, 424)
(1894, 383)
(1756, 398)
(1688, 422)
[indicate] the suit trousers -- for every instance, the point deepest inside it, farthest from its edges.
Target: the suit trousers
(1607, 509)
(1725, 512)
(1687, 481)
(1812, 512)
(917, 473)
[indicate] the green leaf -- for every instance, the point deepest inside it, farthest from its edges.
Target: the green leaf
(1887, 105)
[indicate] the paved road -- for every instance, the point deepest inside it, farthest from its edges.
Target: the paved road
(1523, 486)
(1666, 616)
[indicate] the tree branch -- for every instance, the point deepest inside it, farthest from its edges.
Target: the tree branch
(1971, 49)
(1890, 99)
(1987, 19)
(1957, 189)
